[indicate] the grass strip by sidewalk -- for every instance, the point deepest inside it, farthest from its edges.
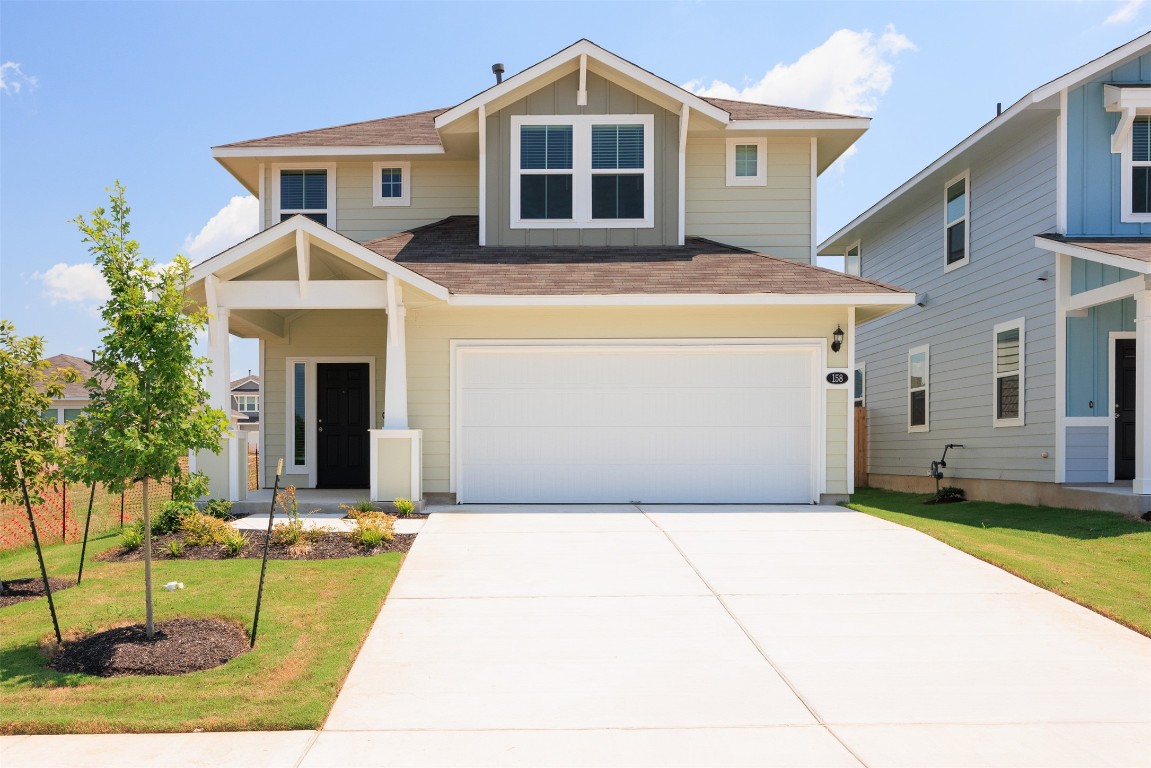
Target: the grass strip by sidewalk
(315, 616)
(1100, 560)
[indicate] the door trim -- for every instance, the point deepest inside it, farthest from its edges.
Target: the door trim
(816, 346)
(310, 465)
(1112, 337)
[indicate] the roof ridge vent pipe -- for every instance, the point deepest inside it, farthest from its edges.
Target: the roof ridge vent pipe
(998, 108)
(498, 71)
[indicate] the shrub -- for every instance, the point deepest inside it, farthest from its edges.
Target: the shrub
(233, 542)
(221, 509)
(404, 506)
(361, 507)
(289, 533)
(374, 529)
(175, 548)
(948, 494)
(168, 521)
(131, 538)
(200, 530)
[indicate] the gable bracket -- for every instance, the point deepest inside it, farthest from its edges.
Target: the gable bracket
(581, 94)
(303, 260)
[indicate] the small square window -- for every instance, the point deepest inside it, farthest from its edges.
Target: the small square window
(392, 183)
(746, 162)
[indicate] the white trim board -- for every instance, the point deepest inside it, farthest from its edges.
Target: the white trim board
(321, 151)
(1090, 254)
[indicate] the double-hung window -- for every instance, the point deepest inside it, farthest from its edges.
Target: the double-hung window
(1008, 365)
(247, 403)
(391, 183)
(1137, 173)
(918, 383)
(307, 190)
(746, 162)
(582, 171)
(957, 215)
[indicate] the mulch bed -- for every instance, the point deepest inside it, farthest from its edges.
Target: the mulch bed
(331, 546)
(19, 590)
(178, 647)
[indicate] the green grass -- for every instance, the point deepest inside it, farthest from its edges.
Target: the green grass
(314, 617)
(1100, 560)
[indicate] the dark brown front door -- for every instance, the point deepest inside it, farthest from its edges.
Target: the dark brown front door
(342, 421)
(1124, 409)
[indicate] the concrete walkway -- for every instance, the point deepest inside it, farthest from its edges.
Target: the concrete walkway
(701, 636)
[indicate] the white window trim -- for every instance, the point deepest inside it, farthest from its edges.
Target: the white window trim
(926, 425)
(858, 256)
(310, 465)
(1126, 215)
(239, 399)
(760, 177)
(330, 211)
(862, 368)
(965, 177)
(582, 172)
(378, 199)
(1021, 373)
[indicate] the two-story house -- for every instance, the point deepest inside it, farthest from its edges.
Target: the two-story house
(1029, 246)
(584, 284)
(245, 403)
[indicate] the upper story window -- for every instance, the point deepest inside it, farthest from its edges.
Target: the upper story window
(391, 183)
(851, 261)
(746, 162)
(957, 214)
(918, 375)
(582, 171)
(247, 403)
(306, 189)
(1137, 172)
(1008, 374)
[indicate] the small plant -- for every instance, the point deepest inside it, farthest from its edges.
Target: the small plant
(948, 494)
(404, 506)
(233, 542)
(289, 533)
(286, 500)
(200, 530)
(361, 507)
(175, 548)
(132, 538)
(168, 521)
(374, 529)
(221, 509)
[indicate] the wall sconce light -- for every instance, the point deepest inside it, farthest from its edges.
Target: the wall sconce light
(837, 339)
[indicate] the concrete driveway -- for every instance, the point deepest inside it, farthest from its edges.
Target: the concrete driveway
(728, 636)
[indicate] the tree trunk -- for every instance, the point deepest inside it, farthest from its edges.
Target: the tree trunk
(149, 627)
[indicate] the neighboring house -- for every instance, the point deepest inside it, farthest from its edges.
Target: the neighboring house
(75, 399)
(548, 293)
(1028, 245)
(245, 403)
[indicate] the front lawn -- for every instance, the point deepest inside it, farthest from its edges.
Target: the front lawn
(1100, 560)
(314, 617)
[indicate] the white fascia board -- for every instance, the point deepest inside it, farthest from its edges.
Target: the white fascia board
(319, 234)
(812, 124)
(1070, 80)
(593, 51)
(1089, 254)
(391, 149)
(687, 300)
(322, 294)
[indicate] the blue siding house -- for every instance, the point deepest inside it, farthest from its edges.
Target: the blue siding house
(1029, 248)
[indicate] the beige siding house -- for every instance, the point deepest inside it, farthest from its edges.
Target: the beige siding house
(584, 284)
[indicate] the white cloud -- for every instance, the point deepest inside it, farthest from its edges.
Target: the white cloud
(1126, 12)
(236, 221)
(74, 283)
(847, 74)
(13, 80)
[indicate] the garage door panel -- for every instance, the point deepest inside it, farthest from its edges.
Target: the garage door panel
(610, 424)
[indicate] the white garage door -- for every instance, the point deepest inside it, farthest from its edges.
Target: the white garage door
(682, 423)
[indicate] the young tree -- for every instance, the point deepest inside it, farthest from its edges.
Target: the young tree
(152, 408)
(26, 391)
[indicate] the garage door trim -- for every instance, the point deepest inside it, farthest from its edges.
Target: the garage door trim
(816, 347)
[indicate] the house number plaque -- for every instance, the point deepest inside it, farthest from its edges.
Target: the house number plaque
(838, 378)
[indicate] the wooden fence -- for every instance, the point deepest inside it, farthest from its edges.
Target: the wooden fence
(860, 447)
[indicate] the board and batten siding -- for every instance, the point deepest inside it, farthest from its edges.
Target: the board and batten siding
(439, 188)
(431, 329)
(1094, 199)
(603, 98)
(1088, 356)
(1012, 198)
(773, 219)
(318, 333)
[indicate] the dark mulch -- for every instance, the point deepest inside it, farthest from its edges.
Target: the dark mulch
(19, 590)
(330, 546)
(178, 647)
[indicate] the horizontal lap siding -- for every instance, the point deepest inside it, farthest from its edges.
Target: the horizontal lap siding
(430, 331)
(1012, 199)
(774, 219)
(1087, 454)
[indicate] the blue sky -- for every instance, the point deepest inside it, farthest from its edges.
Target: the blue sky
(98, 91)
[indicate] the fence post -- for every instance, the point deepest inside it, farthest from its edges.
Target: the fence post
(121, 509)
(63, 511)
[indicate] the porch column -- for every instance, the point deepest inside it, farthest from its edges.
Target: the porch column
(219, 392)
(396, 365)
(1142, 483)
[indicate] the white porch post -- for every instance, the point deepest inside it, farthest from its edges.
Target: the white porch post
(219, 394)
(1142, 484)
(396, 365)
